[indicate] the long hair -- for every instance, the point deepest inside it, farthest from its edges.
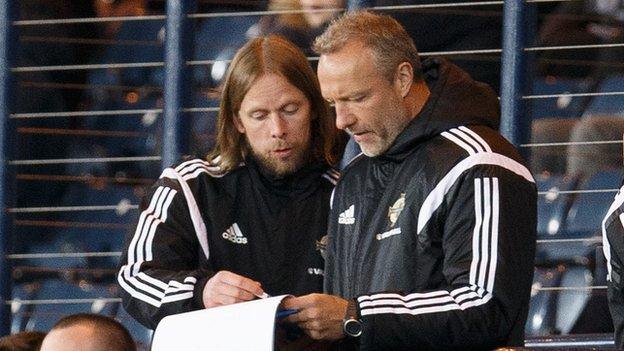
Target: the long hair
(276, 55)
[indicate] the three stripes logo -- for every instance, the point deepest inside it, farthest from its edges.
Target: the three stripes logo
(348, 216)
(234, 235)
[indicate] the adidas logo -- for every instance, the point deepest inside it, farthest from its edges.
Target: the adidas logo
(234, 235)
(348, 216)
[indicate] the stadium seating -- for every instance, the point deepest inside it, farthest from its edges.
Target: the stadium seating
(559, 107)
(611, 105)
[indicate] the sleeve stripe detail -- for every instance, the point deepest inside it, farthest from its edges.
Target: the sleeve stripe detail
(482, 239)
(606, 246)
(436, 196)
(174, 298)
(494, 233)
(445, 297)
(141, 223)
(482, 274)
(426, 310)
(138, 284)
(153, 212)
(196, 217)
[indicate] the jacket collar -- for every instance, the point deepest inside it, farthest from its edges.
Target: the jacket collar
(455, 100)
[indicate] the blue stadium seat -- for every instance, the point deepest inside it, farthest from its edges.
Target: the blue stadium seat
(588, 209)
(88, 231)
(218, 38)
(541, 317)
(141, 335)
(568, 310)
(571, 303)
(562, 107)
(21, 312)
(203, 125)
(138, 41)
(551, 213)
(44, 316)
(608, 105)
(138, 135)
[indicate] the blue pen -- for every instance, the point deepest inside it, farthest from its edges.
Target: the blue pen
(285, 313)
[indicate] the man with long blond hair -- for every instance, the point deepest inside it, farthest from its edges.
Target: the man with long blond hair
(250, 220)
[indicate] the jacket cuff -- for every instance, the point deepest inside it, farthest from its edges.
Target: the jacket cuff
(198, 293)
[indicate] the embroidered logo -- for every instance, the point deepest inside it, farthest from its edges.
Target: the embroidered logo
(395, 210)
(348, 216)
(389, 233)
(234, 235)
(315, 271)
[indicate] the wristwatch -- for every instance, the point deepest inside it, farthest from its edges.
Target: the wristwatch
(351, 324)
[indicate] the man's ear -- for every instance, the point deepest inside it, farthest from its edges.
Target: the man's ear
(404, 78)
(238, 124)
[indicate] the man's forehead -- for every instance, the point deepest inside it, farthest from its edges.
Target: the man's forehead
(346, 71)
(349, 56)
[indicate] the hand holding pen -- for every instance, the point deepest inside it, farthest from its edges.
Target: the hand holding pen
(226, 288)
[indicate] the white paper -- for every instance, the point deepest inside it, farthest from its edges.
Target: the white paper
(242, 326)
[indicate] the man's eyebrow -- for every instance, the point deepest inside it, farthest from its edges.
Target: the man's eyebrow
(256, 109)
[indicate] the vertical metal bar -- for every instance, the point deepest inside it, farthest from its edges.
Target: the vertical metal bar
(359, 4)
(177, 85)
(514, 123)
(7, 15)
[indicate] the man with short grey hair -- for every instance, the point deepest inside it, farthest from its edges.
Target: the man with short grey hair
(432, 231)
(88, 332)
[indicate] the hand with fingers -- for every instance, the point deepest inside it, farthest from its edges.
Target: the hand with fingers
(226, 288)
(320, 316)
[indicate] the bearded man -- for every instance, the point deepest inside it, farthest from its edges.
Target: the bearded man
(250, 219)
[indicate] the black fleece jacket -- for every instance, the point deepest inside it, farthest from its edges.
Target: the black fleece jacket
(435, 238)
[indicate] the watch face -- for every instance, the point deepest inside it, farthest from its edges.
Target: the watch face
(352, 327)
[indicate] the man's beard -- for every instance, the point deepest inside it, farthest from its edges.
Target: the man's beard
(278, 168)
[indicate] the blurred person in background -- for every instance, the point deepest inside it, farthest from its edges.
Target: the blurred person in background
(585, 22)
(452, 29)
(301, 28)
(250, 219)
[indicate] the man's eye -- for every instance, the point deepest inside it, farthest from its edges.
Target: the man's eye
(331, 103)
(291, 109)
(357, 98)
(258, 115)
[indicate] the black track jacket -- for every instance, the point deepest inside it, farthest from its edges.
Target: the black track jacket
(436, 237)
(196, 221)
(613, 247)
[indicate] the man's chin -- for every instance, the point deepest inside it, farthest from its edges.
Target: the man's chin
(279, 168)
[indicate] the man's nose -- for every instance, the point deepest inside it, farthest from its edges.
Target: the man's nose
(344, 117)
(278, 126)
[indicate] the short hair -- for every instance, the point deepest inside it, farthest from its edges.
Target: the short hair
(112, 334)
(383, 35)
(24, 341)
(270, 54)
